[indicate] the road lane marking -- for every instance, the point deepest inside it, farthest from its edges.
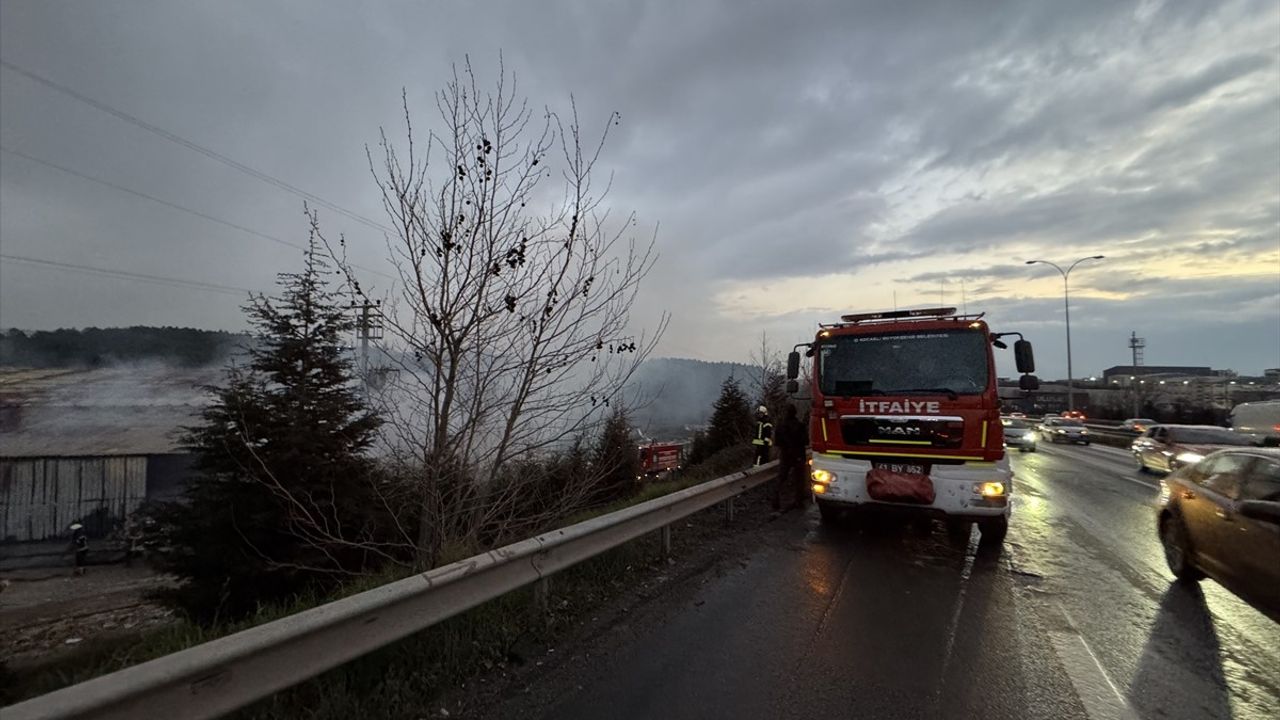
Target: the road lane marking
(1143, 483)
(970, 555)
(1101, 698)
(1109, 450)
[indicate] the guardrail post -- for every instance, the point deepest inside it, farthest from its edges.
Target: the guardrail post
(729, 510)
(666, 541)
(542, 594)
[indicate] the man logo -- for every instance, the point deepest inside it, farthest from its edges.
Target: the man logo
(899, 430)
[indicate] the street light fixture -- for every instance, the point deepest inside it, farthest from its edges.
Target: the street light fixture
(1066, 304)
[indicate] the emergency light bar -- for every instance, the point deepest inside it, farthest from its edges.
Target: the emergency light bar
(922, 312)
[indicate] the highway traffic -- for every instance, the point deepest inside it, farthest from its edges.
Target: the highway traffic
(1076, 616)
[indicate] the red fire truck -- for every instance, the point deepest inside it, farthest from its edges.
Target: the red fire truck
(657, 458)
(905, 417)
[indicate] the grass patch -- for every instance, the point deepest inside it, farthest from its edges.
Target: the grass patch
(103, 655)
(405, 678)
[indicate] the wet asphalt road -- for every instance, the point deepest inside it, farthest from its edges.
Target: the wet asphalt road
(1077, 617)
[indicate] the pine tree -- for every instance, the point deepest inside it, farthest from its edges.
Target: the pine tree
(616, 460)
(731, 418)
(774, 394)
(283, 501)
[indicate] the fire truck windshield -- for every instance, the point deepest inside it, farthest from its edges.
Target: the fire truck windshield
(943, 362)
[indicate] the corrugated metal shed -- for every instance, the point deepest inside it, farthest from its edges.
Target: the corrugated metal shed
(41, 497)
(79, 445)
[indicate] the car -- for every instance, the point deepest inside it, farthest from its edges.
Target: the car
(1165, 448)
(1060, 429)
(1220, 517)
(1018, 433)
(1137, 424)
(1261, 419)
(1019, 415)
(1074, 415)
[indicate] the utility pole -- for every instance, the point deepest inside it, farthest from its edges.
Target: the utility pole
(1136, 345)
(368, 327)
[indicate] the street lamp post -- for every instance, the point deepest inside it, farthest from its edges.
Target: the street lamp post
(1066, 303)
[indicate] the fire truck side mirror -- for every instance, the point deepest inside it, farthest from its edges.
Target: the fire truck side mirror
(1029, 383)
(793, 365)
(1023, 356)
(793, 387)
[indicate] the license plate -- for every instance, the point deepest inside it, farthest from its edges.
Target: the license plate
(906, 468)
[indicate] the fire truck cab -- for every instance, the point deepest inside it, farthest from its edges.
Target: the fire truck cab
(906, 417)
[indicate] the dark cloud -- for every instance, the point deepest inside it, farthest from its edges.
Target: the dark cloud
(772, 141)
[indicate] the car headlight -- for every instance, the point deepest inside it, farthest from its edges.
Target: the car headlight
(1190, 458)
(1029, 436)
(1061, 432)
(1084, 432)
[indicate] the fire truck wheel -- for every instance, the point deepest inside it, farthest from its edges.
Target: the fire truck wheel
(993, 531)
(959, 531)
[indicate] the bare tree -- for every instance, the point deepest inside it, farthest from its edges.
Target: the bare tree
(511, 316)
(768, 381)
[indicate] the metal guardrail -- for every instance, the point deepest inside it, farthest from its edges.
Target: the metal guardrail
(219, 676)
(1112, 435)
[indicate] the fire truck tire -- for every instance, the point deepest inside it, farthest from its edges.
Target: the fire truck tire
(830, 513)
(959, 531)
(993, 531)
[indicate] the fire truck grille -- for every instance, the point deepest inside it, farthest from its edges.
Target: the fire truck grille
(888, 431)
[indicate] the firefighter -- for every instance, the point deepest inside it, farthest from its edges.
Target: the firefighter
(792, 437)
(80, 545)
(763, 438)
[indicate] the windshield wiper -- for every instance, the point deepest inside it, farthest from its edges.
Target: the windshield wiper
(951, 394)
(860, 393)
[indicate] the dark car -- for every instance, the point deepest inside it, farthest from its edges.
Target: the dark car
(1166, 448)
(1220, 517)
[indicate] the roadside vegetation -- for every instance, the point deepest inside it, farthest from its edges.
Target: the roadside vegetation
(504, 416)
(92, 347)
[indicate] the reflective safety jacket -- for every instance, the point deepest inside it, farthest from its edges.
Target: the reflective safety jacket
(764, 432)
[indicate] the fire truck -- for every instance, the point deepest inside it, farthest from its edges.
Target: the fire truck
(906, 418)
(657, 458)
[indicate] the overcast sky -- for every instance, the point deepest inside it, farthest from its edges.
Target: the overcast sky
(801, 159)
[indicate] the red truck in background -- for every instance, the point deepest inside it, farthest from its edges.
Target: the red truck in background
(657, 458)
(905, 417)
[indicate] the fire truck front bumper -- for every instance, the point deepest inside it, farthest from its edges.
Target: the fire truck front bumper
(972, 490)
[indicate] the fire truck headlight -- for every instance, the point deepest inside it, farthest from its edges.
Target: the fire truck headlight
(822, 476)
(819, 488)
(989, 489)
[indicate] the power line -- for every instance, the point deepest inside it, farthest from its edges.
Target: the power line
(152, 198)
(191, 145)
(168, 204)
(141, 277)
